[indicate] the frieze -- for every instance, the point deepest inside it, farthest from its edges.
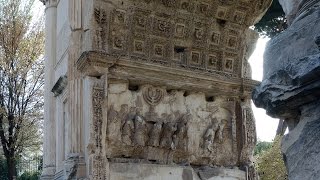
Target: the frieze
(155, 124)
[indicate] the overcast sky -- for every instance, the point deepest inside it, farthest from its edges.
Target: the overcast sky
(266, 126)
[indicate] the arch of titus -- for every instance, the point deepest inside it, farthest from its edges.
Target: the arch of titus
(149, 89)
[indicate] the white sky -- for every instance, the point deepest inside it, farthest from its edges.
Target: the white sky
(266, 126)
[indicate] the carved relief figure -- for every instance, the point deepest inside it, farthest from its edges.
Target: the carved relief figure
(155, 134)
(113, 119)
(127, 131)
(181, 135)
(222, 124)
(210, 134)
(125, 115)
(127, 124)
(139, 129)
(168, 131)
(208, 138)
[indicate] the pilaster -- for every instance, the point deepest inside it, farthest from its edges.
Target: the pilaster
(75, 164)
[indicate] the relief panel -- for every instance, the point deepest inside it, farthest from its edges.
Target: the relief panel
(168, 126)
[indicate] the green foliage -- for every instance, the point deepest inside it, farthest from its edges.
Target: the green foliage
(30, 176)
(261, 147)
(273, 22)
(21, 81)
(270, 164)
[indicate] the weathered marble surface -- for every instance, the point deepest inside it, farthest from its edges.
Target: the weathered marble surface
(290, 88)
(165, 172)
(158, 82)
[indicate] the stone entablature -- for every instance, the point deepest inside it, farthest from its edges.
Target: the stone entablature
(95, 64)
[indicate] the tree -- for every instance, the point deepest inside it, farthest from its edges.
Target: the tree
(273, 22)
(270, 163)
(3, 168)
(21, 80)
(261, 147)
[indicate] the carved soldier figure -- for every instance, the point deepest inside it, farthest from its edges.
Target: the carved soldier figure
(207, 138)
(222, 124)
(180, 139)
(168, 131)
(112, 123)
(125, 115)
(155, 134)
(127, 131)
(139, 129)
(210, 134)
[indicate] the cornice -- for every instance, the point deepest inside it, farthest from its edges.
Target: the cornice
(94, 63)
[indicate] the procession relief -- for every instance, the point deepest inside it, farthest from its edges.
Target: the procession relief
(168, 121)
